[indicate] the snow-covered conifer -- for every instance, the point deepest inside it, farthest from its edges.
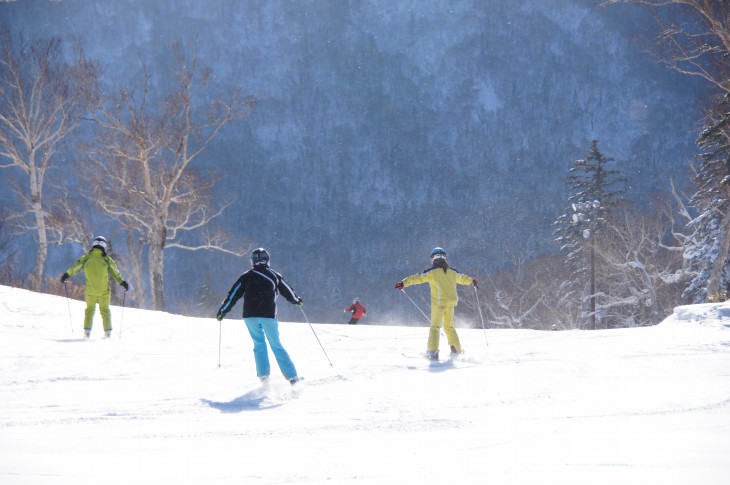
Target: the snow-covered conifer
(709, 254)
(596, 194)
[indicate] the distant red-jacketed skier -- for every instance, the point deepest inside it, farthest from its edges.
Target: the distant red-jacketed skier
(358, 311)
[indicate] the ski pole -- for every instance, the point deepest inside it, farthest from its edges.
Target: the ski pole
(315, 336)
(415, 305)
(121, 319)
(68, 303)
(220, 336)
(476, 293)
(419, 309)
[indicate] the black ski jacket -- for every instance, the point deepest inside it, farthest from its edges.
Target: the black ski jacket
(259, 288)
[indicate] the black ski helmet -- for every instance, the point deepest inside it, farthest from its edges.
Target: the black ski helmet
(99, 242)
(260, 256)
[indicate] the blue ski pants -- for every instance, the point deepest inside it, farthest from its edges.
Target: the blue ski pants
(261, 330)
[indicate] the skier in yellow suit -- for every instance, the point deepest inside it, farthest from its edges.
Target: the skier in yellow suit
(443, 280)
(97, 268)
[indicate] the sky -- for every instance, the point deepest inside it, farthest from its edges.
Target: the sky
(158, 403)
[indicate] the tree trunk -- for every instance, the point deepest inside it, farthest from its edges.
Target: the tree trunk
(42, 253)
(37, 207)
(135, 256)
(593, 285)
(718, 265)
(157, 267)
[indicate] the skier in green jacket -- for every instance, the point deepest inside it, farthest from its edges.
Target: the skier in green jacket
(97, 267)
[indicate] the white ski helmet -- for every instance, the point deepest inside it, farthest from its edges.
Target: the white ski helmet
(99, 242)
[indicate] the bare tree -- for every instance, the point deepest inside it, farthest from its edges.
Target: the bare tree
(141, 166)
(641, 278)
(695, 41)
(694, 37)
(40, 100)
(524, 296)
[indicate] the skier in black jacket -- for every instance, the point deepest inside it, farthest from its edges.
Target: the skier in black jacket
(259, 288)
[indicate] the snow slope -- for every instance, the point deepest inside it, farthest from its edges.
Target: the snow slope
(151, 405)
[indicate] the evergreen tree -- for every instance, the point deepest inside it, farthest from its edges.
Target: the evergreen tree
(596, 194)
(708, 255)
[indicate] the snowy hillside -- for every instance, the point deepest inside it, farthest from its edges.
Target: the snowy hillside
(151, 405)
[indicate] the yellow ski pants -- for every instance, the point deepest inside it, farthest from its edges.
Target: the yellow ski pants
(442, 316)
(106, 314)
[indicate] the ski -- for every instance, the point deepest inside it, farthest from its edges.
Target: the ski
(450, 361)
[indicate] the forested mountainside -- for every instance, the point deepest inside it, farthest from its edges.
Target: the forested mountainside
(382, 129)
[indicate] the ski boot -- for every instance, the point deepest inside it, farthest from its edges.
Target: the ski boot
(107, 333)
(87, 332)
(295, 380)
(432, 354)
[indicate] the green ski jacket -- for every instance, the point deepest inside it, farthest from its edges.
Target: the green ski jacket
(97, 267)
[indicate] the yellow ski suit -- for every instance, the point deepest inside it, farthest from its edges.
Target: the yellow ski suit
(97, 267)
(443, 283)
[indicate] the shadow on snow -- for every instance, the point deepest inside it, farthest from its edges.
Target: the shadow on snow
(251, 401)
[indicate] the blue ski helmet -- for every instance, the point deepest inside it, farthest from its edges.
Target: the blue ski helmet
(260, 256)
(438, 253)
(99, 242)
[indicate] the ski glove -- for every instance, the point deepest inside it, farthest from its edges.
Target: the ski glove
(474, 282)
(219, 316)
(124, 285)
(300, 302)
(64, 277)
(399, 285)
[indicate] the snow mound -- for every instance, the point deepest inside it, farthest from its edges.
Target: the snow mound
(715, 315)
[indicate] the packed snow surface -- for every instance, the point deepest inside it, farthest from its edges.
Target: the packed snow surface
(151, 404)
